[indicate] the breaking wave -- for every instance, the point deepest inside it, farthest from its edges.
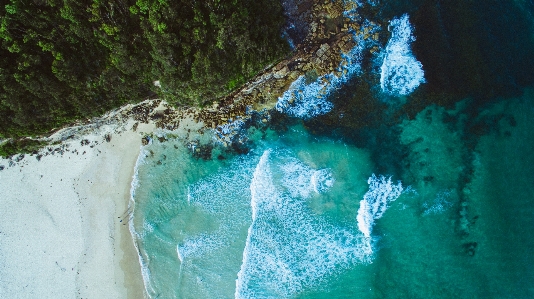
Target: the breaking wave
(136, 236)
(401, 73)
(287, 248)
(375, 202)
(301, 180)
(305, 100)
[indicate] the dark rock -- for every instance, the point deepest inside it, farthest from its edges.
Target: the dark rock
(145, 140)
(203, 152)
(296, 27)
(470, 248)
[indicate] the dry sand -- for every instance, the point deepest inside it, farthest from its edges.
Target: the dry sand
(61, 234)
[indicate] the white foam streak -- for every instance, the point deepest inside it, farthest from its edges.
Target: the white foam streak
(301, 180)
(401, 73)
(322, 180)
(375, 202)
(289, 249)
(198, 246)
(145, 272)
(260, 186)
(260, 182)
(305, 100)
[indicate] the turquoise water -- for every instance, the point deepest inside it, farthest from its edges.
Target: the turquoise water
(384, 184)
(282, 221)
(203, 222)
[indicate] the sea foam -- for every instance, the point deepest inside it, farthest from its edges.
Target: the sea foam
(211, 248)
(301, 180)
(401, 73)
(306, 99)
(198, 246)
(441, 203)
(136, 236)
(288, 249)
(375, 202)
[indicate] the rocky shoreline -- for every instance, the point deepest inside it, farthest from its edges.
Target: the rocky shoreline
(326, 35)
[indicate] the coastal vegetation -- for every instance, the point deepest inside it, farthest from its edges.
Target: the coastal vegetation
(62, 60)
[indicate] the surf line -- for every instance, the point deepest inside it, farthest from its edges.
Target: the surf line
(288, 249)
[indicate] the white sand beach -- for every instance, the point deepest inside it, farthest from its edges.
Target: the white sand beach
(61, 234)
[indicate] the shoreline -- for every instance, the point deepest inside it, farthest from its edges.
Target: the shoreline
(62, 230)
(77, 190)
(318, 53)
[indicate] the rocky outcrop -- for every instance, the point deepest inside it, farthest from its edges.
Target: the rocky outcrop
(321, 33)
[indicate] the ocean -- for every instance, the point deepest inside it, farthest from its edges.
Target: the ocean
(408, 174)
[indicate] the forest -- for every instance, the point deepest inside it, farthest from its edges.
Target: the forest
(62, 60)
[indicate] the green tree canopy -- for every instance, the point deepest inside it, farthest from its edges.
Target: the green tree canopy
(65, 59)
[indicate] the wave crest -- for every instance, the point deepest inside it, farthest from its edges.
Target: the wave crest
(401, 73)
(375, 202)
(289, 249)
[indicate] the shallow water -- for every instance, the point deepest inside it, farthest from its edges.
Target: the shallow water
(430, 197)
(282, 221)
